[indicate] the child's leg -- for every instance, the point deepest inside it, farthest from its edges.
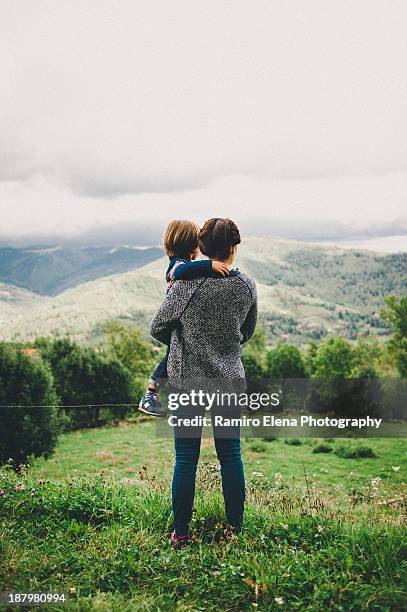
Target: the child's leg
(159, 372)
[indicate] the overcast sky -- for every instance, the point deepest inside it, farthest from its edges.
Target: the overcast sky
(290, 116)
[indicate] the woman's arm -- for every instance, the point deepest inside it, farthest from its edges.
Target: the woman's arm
(165, 319)
(249, 325)
(168, 316)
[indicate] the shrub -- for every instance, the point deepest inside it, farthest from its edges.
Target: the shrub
(258, 447)
(322, 448)
(358, 452)
(293, 441)
(29, 422)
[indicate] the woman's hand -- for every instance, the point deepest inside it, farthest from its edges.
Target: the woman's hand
(221, 267)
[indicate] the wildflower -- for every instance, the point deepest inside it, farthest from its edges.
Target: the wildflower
(72, 589)
(1, 492)
(257, 474)
(279, 601)
(375, 482)
(320, 529)
(216, 574)
(278, 478)
(41, 482)
(20, 486)
(395, 468)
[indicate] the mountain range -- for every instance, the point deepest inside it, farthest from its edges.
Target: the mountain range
(51, 270)
(305, 291)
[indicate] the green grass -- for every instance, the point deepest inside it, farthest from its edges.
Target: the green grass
(97, 527)
(127, 447)
(106, 543)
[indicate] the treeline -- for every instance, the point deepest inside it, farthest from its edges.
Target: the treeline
(336, 375)
(53, 385)
(335, 356)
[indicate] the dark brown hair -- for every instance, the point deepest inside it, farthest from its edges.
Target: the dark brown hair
(181, 238)
(217, 237)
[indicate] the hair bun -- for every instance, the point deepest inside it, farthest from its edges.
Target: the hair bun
(217, 236)
(233, 232)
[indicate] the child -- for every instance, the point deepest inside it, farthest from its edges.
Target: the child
(181, 246)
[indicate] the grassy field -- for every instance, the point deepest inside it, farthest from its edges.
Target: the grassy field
(125, 449)
(94, 520)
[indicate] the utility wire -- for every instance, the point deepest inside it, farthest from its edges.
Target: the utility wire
(67, 406)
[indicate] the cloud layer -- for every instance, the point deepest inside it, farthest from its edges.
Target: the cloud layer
(114, 113)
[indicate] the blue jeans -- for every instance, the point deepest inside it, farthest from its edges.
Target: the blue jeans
(161, 369)
(183, 484)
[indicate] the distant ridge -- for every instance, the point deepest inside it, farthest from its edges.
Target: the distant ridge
(51, 270)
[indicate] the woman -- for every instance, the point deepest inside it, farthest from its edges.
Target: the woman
(205, 321)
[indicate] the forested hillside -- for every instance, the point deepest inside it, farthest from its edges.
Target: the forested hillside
(305, 291)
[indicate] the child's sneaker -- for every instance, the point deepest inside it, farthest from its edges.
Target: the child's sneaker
(149, 404)
(179, 541)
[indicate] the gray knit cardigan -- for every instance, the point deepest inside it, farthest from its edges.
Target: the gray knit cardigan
(205, 321)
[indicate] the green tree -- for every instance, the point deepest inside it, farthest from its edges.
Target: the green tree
(29, 422)
(395, 312)
(112, 383)
(254, 355)
(89, 379)
(285, 361)
(333, 359)
(285, 366)
(343, 372)
(127, 345)
(367, 357)
(310, 356)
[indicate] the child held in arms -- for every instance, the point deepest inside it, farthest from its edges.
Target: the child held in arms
(181, 246)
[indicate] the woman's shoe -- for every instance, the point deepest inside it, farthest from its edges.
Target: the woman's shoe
(179, 541)
(231, 534)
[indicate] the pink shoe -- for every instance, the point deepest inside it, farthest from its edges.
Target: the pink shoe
(230, 535)
(179, 541)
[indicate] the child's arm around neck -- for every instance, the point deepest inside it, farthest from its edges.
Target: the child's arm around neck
(195, 269)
